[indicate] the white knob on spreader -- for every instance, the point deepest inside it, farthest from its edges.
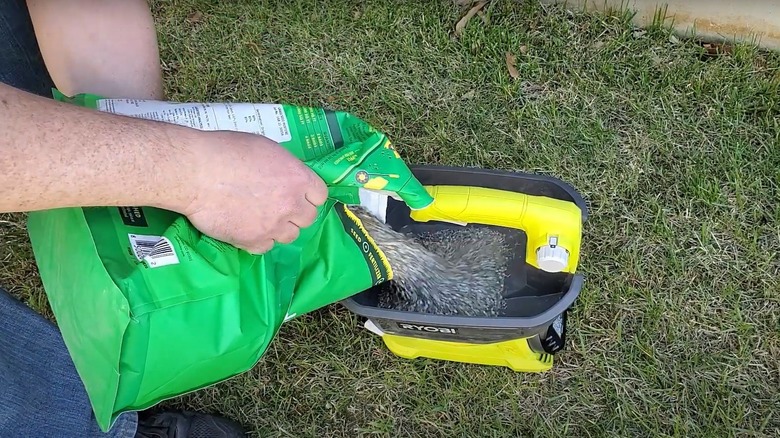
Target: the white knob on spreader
(551, 257)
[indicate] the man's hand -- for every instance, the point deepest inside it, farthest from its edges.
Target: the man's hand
(251, 192)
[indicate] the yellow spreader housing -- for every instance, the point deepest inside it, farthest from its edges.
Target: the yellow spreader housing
(515, 354)
(542, 218)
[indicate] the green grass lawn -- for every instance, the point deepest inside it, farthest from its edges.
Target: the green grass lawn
(677, 332)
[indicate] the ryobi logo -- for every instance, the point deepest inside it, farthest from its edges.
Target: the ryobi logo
(427, 328)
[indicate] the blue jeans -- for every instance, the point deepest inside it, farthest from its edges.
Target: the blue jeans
(41, 395)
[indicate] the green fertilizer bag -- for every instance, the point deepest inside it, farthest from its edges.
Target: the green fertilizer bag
(150, 308)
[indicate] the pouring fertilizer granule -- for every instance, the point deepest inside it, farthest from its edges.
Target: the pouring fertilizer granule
(448, 272)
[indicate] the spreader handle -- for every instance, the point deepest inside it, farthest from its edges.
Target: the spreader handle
(548, 222)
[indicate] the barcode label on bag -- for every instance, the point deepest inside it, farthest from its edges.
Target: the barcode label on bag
(154, 250)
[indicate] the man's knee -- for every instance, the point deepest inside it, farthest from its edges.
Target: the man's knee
(21, 63)
(118, 57)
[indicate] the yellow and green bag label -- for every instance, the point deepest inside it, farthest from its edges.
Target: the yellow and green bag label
(150, 308)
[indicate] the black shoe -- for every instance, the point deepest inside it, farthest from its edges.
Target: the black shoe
(185, 424)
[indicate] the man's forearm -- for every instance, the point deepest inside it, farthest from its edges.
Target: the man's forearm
(58, 155)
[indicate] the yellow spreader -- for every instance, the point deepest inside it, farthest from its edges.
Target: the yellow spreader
(542, 218)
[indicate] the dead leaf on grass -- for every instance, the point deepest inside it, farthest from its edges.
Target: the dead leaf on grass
(717, 49)
(255, 48)
(511, 65)
(523, 49)
(195, 17)
(469, 94)
(461, 25)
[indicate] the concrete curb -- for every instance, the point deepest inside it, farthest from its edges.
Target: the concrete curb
(751, 21)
